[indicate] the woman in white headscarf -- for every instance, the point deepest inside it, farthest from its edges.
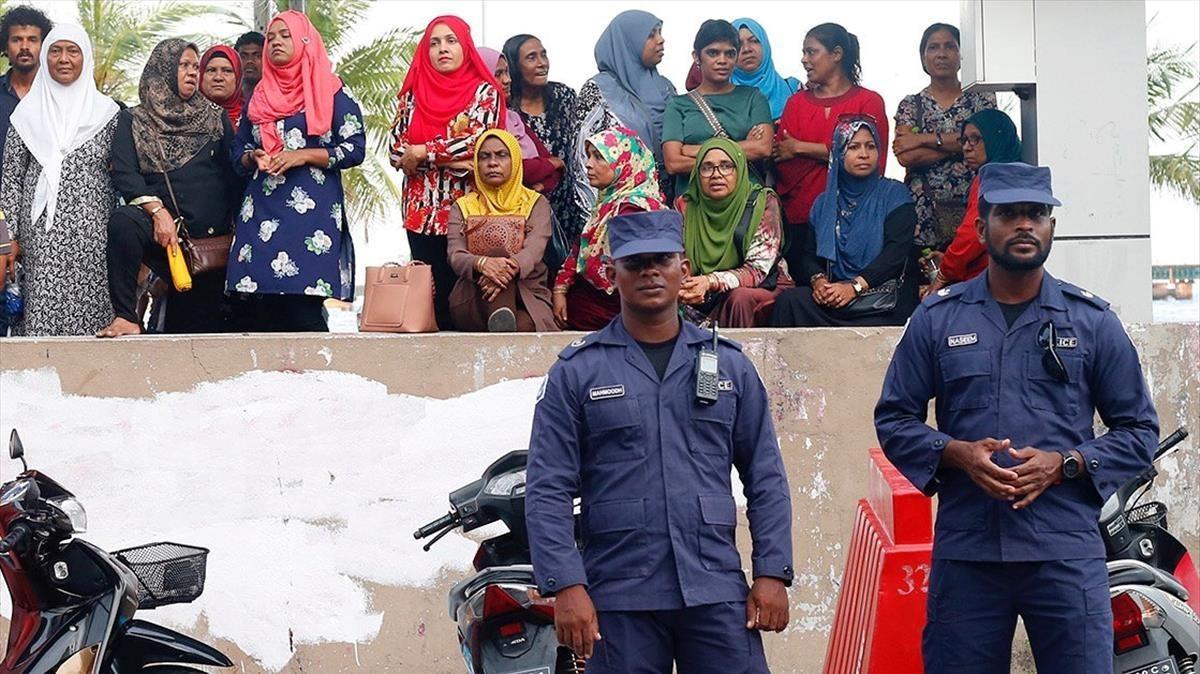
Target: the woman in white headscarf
(56, 191)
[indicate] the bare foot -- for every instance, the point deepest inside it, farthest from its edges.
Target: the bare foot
(120, 327)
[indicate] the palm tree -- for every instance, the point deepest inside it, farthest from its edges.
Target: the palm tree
(372, 72)
(1175, 116)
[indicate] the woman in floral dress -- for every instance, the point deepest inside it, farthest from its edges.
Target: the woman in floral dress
(292, 247)
(449, 98)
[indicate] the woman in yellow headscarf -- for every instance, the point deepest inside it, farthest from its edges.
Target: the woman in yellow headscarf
(497, 236)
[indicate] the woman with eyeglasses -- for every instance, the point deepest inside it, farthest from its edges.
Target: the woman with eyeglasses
(802, 141)
(717, 108)
(858, 255)
(926, 144)
(732, 234)
(988, 137)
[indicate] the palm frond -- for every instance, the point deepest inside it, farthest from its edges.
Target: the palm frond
(1177, 173)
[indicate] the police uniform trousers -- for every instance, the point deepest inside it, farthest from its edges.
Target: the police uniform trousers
(708, 639)
(973, 608)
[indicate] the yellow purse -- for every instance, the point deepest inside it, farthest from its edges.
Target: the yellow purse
(180, 277)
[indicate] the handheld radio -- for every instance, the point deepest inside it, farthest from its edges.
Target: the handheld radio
(707, 374)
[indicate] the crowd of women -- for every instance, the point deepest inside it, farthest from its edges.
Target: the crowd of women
(788, 218)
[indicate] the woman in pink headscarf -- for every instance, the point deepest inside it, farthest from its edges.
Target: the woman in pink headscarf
(542, 169)
(292, 248)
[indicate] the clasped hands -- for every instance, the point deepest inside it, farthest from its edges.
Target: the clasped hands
(832, 295)
(1037, 471)
(694, 289)
(280, 162)
(495, 273)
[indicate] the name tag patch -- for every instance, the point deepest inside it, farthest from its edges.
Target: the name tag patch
(606, 392)
(962, 340)
(1066, 342)
(725, 385)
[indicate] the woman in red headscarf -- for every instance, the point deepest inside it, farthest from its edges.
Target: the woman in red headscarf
(448, 100)
(221, 80)
(292, 247)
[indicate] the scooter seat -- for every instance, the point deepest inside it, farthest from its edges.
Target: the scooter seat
(1133, 572)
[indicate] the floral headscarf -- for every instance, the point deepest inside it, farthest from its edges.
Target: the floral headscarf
(635, 183)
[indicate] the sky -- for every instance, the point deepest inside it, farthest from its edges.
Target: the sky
(889, 33)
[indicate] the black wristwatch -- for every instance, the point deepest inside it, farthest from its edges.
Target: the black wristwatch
(938, 138)
(1070, 465)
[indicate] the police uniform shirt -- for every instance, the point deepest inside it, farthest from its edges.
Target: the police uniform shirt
(651, 467)
(988, 380)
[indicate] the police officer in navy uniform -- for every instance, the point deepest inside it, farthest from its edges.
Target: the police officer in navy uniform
(1018, 362)
(657, 579)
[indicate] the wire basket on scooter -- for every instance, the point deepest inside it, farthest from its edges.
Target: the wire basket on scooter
(1152, 514)
(167, 573)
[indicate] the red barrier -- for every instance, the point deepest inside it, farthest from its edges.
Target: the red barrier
(881, 606)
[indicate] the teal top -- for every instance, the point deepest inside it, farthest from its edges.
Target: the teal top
(738, 111)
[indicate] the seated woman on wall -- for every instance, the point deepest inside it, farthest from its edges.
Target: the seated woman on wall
(497, 236)
(622, 169)
(175, 134)
(859, 255)
(988, 136)
(716, 108)
(732, 234)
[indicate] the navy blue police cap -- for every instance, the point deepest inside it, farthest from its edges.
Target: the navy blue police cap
(647, 232)
(1016, 183)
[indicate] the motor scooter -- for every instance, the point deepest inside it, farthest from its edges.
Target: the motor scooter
(1152, 578)
(72, 599)
(504, 625)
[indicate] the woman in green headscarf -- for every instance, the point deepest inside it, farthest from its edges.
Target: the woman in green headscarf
(988, 137)
(733, 237)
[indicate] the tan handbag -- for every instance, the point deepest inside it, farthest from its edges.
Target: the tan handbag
(398, 298)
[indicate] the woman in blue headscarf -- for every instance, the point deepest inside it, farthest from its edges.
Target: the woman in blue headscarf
(858, 258)
(627, 92)
(756, 68)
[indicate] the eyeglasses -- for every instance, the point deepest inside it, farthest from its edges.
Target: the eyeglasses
(725, 168)
(973, 139)
(1047, 338)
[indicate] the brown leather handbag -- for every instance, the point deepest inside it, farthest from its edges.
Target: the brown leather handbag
(398, 298)
(487, 235)
(202, 255)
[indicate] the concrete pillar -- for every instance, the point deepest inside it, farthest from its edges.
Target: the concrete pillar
(1084, 71)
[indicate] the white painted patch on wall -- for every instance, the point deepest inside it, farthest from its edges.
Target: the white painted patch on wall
(302, 485)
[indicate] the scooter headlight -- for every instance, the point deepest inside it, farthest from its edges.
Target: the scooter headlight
(74, 511)
(508, 484)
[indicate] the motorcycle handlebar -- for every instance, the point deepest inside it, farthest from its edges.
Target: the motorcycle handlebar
(15, 538)
(444, 522)
(1170, 441)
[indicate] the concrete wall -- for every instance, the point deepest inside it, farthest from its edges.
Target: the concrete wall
(823, 384)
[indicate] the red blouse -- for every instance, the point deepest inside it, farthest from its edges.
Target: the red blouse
(965, 257)
(812, 120)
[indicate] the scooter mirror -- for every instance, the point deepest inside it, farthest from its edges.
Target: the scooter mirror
(15, 449)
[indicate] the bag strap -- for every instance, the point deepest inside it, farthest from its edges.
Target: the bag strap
(708, 113)
(739, 234)
(171, 191)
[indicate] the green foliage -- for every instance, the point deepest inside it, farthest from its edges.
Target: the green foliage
(1175, 115)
